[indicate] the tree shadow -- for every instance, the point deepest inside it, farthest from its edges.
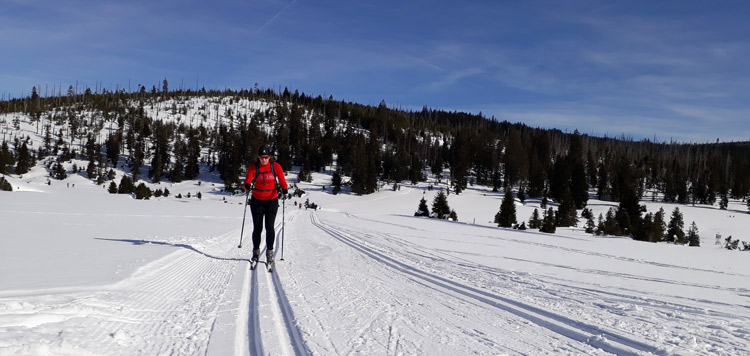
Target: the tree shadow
(185, 246)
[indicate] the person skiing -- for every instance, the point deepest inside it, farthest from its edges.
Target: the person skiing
(264, 202)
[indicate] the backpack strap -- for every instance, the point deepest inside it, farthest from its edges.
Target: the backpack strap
(273, 171)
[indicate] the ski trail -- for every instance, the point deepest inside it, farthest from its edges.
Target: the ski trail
(256, 341)
(586, 333)
(272, 326)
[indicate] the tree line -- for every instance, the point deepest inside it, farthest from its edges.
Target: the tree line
(214, 129)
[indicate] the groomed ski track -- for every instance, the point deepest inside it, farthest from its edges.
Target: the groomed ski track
(370, 285)
(265, 324)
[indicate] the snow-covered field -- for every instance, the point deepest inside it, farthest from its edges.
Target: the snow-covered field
(84, 272)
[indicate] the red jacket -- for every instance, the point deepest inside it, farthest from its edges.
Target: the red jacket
(265, 187)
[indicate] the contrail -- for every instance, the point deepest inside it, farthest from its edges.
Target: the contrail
(275, 16)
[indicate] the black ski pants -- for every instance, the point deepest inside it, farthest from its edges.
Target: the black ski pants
(264, 209)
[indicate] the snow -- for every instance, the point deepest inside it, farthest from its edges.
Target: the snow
(84, 272)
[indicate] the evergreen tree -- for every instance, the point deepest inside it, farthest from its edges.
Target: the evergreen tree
(535, 222)
(192, 168)
(548, 223)
(579, 187)
(91, 170)
(506, 217)
(675, 231)
(693, 238)
(723, 200)
(566, 212)
(58, 172)
(136, 161)
(422, 210)
(112, 188)
(142, 192)
(658, 227)
(112, 145)
(336, 182)
(24, 160)
(611, 225)
(590, 225)
(521, 194)
(126, 185)
(440, 207)
(600, 227)
(6, 159)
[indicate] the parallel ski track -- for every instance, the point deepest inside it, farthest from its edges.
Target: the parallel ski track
(287, 334)
(593, 335)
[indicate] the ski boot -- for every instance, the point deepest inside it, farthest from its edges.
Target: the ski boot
(269, 260)
(254, 259)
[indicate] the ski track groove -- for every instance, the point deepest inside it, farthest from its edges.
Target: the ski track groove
(606, 340)
(286, 335)
(665, 305)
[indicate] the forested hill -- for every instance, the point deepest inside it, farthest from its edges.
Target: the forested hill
(156, 135)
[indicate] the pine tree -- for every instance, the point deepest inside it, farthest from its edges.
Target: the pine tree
(658, 227)
(6, 159)
(675, 231)
(422, 210)
(24, 160)
(58, 172)
(126, 185)
(440, 206)
(590, 225)
(548, 223)
(91, 170)
(192, 168)
(566, 213)
(112, 145)
(336, 182)
(535, 222)
(112, 188)
(693, 238)
(142, 192)
(600, 225)
(506, 217)
(611, 225)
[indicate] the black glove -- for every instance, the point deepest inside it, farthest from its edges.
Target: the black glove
(247, 186)
(284, 191)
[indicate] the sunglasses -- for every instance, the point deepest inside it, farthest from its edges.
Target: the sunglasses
(264, 157)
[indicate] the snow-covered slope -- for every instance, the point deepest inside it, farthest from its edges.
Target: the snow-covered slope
(83, 272)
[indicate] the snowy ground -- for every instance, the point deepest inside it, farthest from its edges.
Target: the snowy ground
(83, 272)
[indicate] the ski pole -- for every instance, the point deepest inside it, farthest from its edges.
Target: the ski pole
(244, 213)
(283, 222)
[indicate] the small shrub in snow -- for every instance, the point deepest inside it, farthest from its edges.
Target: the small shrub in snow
(142, 192)
(5, 185)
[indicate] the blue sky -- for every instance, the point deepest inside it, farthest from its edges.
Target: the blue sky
(666, 69)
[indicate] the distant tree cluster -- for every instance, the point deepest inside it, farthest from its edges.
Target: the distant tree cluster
(440, 208)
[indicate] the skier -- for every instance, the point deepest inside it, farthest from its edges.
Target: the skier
(264, 202)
